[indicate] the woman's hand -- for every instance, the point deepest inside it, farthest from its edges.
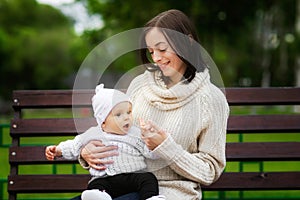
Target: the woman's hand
(94, 151)
(152, 135)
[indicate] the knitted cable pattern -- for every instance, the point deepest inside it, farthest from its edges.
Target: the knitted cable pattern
(195, 116)
(132, 150)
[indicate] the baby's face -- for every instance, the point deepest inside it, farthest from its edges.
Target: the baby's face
(119, 120)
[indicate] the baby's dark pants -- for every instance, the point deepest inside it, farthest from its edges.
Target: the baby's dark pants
(145, 183)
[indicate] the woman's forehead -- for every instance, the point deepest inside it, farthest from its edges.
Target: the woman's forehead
(155, 38)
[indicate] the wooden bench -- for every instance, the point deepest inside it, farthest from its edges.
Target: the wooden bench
(252, 124)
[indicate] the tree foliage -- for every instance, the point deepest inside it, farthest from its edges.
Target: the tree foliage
(37, 47)
(253, 43)
(233, 32)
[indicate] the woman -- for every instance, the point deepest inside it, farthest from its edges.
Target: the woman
(175, 93)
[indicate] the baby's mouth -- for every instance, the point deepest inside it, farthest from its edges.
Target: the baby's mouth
(126, 126)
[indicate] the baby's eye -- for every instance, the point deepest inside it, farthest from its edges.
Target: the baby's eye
(118, 114)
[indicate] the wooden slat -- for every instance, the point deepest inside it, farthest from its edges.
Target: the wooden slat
(263, 96)
(50, 127)
(256, 151)
(263, 124)
(236, 124)
(256, 181)
(235, 96)
(228, 181)
(47, 183)
(32, 155)
(263, 151)
(51, 98)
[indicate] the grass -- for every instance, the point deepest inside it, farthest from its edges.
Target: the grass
(5, 141)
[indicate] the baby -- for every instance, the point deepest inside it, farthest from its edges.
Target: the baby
(112, 110)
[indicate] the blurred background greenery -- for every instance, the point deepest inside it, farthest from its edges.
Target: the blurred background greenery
(253, 43)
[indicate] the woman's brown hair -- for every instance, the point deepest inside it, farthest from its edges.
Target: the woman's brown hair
(181, 36)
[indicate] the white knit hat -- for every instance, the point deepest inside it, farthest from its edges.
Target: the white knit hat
(104, 100)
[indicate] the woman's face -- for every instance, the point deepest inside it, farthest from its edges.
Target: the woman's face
(164, 56)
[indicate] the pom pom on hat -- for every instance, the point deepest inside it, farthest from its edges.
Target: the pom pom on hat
(104, 100)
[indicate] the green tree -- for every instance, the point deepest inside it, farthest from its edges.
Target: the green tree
(227, 29)
(38, 47)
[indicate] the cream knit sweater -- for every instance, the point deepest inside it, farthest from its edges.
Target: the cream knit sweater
(132, 150)
(195, 116)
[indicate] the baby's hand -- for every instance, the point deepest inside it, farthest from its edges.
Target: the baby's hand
(142, 124)
(147, 128)
(152, 134)
(50, 152)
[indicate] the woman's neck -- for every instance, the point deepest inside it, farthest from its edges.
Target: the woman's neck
(174, 80)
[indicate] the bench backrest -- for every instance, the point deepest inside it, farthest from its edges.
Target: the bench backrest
(24, 128)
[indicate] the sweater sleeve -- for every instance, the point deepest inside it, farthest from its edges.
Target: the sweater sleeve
(70, 148)
(140, 144)
(206, 165)
(144, 150)
(148, 153)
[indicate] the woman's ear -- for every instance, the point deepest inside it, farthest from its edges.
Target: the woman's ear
(191, 37)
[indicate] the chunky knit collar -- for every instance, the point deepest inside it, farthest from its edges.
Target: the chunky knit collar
(163, 98)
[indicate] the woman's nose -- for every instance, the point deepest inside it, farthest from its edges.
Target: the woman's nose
(156, 56)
